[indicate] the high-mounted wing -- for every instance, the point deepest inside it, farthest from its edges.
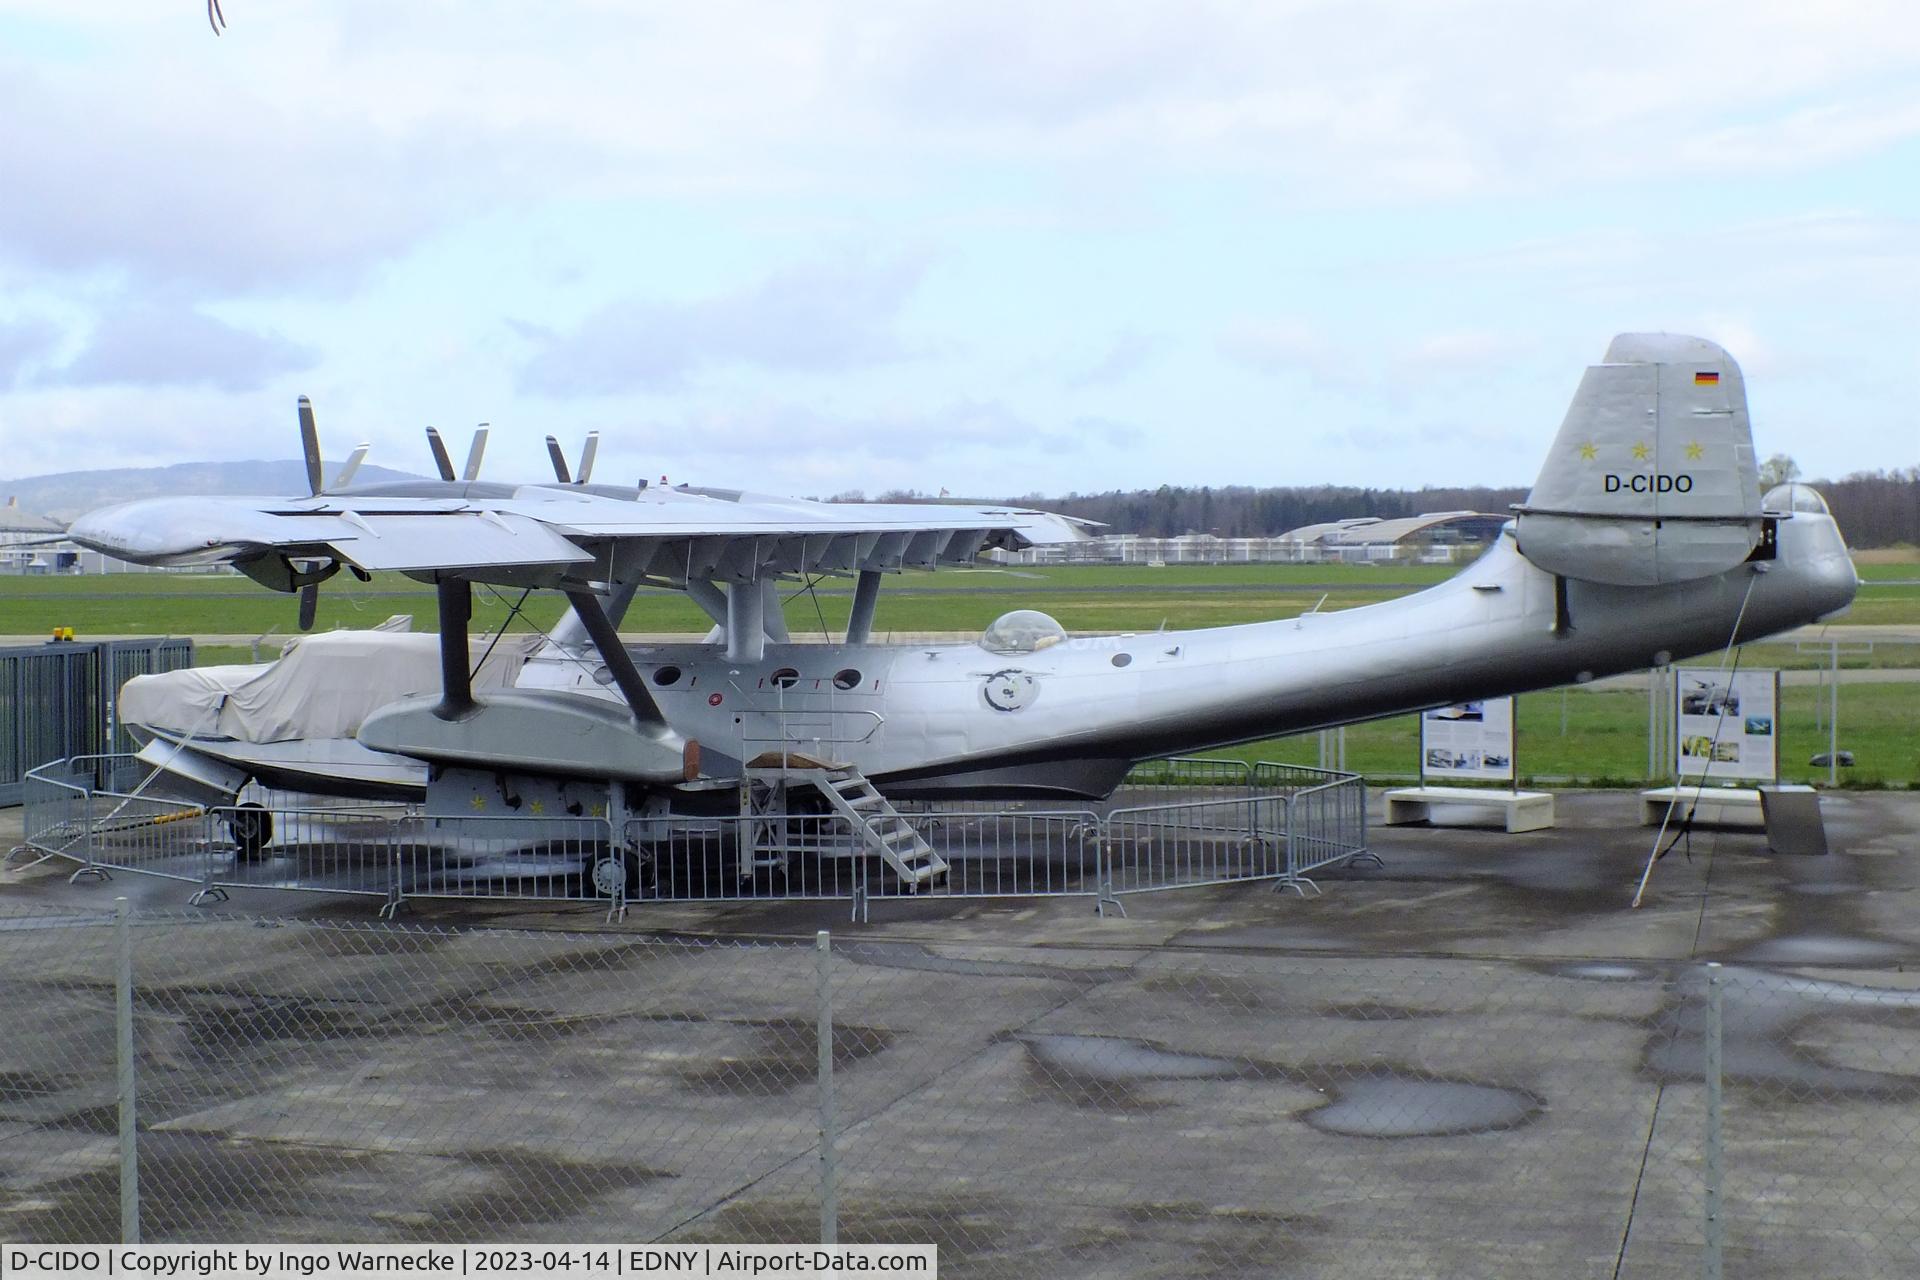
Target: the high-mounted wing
(562, 535)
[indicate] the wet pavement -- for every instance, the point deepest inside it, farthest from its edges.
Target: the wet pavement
(1477, 1059)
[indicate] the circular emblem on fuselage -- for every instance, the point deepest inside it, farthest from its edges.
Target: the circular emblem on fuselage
(1011, 690)
(714, 699)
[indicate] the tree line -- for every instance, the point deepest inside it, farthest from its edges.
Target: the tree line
(1873, 508)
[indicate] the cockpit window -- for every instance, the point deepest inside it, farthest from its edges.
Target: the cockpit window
(1022, 631)
(1795, 497)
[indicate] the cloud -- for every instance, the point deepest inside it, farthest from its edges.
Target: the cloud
(152, 345)
(967, 444)
(1289, 347)
(812, 319)
(22, 343)
(1129, 352)
(1382, 99)
(172, 185)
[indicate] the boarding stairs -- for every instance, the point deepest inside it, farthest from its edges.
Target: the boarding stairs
(872, 826)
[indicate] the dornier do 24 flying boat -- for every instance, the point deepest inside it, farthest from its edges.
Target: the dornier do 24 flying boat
(1645, 538)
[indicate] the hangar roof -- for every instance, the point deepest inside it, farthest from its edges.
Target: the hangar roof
(1369, 531)
(15, 520)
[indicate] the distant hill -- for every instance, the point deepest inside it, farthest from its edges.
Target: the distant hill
(67, 494)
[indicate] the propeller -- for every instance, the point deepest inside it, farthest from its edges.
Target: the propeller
(588, 451)
(440, 458)
(307, 581)
(475, 453)
(358, 456)
(443, 462)
(310, 446)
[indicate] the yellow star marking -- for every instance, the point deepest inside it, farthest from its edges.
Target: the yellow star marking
(1588, 453)
(478, 803)
(598, 811)
(1641, 453)
(537, 806)
(1695, 451)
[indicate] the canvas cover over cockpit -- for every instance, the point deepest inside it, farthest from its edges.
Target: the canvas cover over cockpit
(323, 686)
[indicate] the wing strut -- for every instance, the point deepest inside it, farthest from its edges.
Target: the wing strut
(456, 681)
(614, 654)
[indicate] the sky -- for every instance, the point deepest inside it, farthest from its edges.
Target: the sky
(815, 247)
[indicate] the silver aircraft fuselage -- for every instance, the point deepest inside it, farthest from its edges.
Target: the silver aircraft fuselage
(1070, 718)
(1644, 539)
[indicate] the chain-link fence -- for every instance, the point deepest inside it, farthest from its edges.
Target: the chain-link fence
(1033, 1110)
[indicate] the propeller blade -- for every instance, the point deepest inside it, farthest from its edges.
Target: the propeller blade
(354, 460)
(309, 605)
(440, 458)
(475, 453)
(310, 445)
(587, 453)
(559, 461)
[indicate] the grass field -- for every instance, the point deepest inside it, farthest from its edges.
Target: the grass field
(1605, 735)
(1083, 597)
(1605, 738)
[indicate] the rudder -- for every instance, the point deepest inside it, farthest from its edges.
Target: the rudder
(1652, 476)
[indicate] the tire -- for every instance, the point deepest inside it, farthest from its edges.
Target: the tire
(251, 827)
(616, 874)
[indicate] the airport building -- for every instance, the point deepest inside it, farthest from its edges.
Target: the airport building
(1444, 537)
(21, 531)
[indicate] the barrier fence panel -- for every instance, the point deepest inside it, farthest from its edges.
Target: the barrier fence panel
(1030, 1110)
(120, 661)
(1180, 778)
(57, 702)
(47, 709)
(1184, 845)
(999, 854)
(1323, 826)
(1201, 822)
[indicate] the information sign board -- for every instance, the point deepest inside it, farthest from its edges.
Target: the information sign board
(1473, 740)
(1726, 725)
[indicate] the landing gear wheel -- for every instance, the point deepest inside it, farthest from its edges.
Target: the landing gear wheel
(616, 875)
(251, 827)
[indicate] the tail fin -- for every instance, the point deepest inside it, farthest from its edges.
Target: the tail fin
(1652, 477)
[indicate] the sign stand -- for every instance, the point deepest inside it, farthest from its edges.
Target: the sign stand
(1726, 728)
(1473, 741)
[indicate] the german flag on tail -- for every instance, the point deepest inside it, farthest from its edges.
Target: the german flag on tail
(1706, 377)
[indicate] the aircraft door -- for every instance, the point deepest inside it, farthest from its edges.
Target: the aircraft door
(830, 715)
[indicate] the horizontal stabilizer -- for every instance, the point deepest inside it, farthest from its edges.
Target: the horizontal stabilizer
(1652, 477)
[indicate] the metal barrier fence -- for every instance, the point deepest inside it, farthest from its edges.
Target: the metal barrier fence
(1044, 1110)
(1175, 824)
(57, 701)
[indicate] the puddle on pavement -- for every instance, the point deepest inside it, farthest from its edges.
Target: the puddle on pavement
(1116, 1061)
(788, 1057)
(1824, 949)
(518, 1190)
(1369, 1101)
(1762, 1010)
(1386, 1106)
(1604, 971)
